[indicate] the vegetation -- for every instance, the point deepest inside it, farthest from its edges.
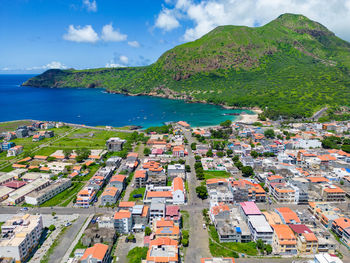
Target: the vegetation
(137, 191)
(289, 67)
(185, 238)
(148, 231)
(202, 192)
(229, 247)
(137, 254)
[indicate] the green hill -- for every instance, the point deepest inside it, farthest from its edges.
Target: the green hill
(289, 67)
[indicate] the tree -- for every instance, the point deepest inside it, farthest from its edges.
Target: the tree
(52, 228)
(220, 154)
(268, 249)
(226, 123)
(67, 153)
(197, 157)
(247, 171)
(229, 152)
(187, 168)
(148, 231)
(209, 153)
(53, 213)
(235, 158)
(147, 151)
(239, 165)
(254, 154)
(269, 133)
(193, 146)
(202, 192)
(260, 244)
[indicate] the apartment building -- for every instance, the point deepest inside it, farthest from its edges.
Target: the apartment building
(163, 250)
(260, 228)
(123, 221)
(99, 253)
(287, 215)
(166, 228)
(283, 193)
(20, 235)
(307, 242)
(85, 197)
(140, 178)
(110, 195)
(115, 144)
(19, 195)
(41, 196)
(333, 193)
(118, 181)
(284, 240)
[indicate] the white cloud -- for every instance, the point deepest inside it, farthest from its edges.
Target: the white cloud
(6, 69)
(124, 59)
(113, 65)
(134, 44)
(51, 65)
(208, 14)
(111, 35)
(81, 34)
(167, 20)
(90, 6)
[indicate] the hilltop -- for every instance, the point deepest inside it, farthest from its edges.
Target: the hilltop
(290, 67)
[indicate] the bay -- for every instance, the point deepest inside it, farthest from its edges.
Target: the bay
(96, 107)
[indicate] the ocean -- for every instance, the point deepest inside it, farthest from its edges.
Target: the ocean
(96, 107)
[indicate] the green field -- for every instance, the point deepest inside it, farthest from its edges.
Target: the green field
(216, 174)
(12, 125)
(135, 192)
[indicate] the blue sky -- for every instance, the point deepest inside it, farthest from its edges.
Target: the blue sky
(40, 34)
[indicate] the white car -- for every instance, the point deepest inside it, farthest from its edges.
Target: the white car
(204, 226)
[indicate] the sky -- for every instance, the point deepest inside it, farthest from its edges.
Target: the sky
(37, 35)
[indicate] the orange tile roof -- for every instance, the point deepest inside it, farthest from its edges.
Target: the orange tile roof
(110, 191)
(98, 251)
(164, 223)
(326, 157)
(160, 194)
(133, 155)
(40, 157)
(174, 230)
(127, 204)
(178, 184)
(163, 241)
(122, 214)
(216, 180)
(25, 160)
(285, 234)
(183, 123)
(288, 215)
(342, 223)
(274, 177)
(118, 178)
(219, 208)
(44, 168)
(140, 174)
(145, 211)
(317, 179)
(333, 189)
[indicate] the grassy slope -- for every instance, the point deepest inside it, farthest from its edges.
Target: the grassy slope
(293, 66)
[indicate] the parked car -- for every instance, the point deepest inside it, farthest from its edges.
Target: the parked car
(204, 226)
(24, 209)
(68, 224)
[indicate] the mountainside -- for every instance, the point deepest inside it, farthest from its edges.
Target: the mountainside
(289, 67)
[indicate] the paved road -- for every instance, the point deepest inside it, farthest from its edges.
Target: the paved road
(66, 240)
(199, 239)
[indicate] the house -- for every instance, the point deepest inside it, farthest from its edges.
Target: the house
(7, 145)
(172, 212)
(123, 221)
(178, 191)
(114, 161)
(110, 195)
(157, 210)
(166, 228)
(179, 151)
(115, 144)
(176, 170)
(260, 228)
(183, 124)
(163, 250)
(284, 240)
(140, 216)
(99, 253)
(118, 181)
(244, 190)
(140, 178)
(339, 225)
(85, 197)
(333, 193)
(307, 242)
(288, 216)
(38, 137)
(248, 209)
(14, 151)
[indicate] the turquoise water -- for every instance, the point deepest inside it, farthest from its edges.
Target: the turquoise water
(96, 107)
